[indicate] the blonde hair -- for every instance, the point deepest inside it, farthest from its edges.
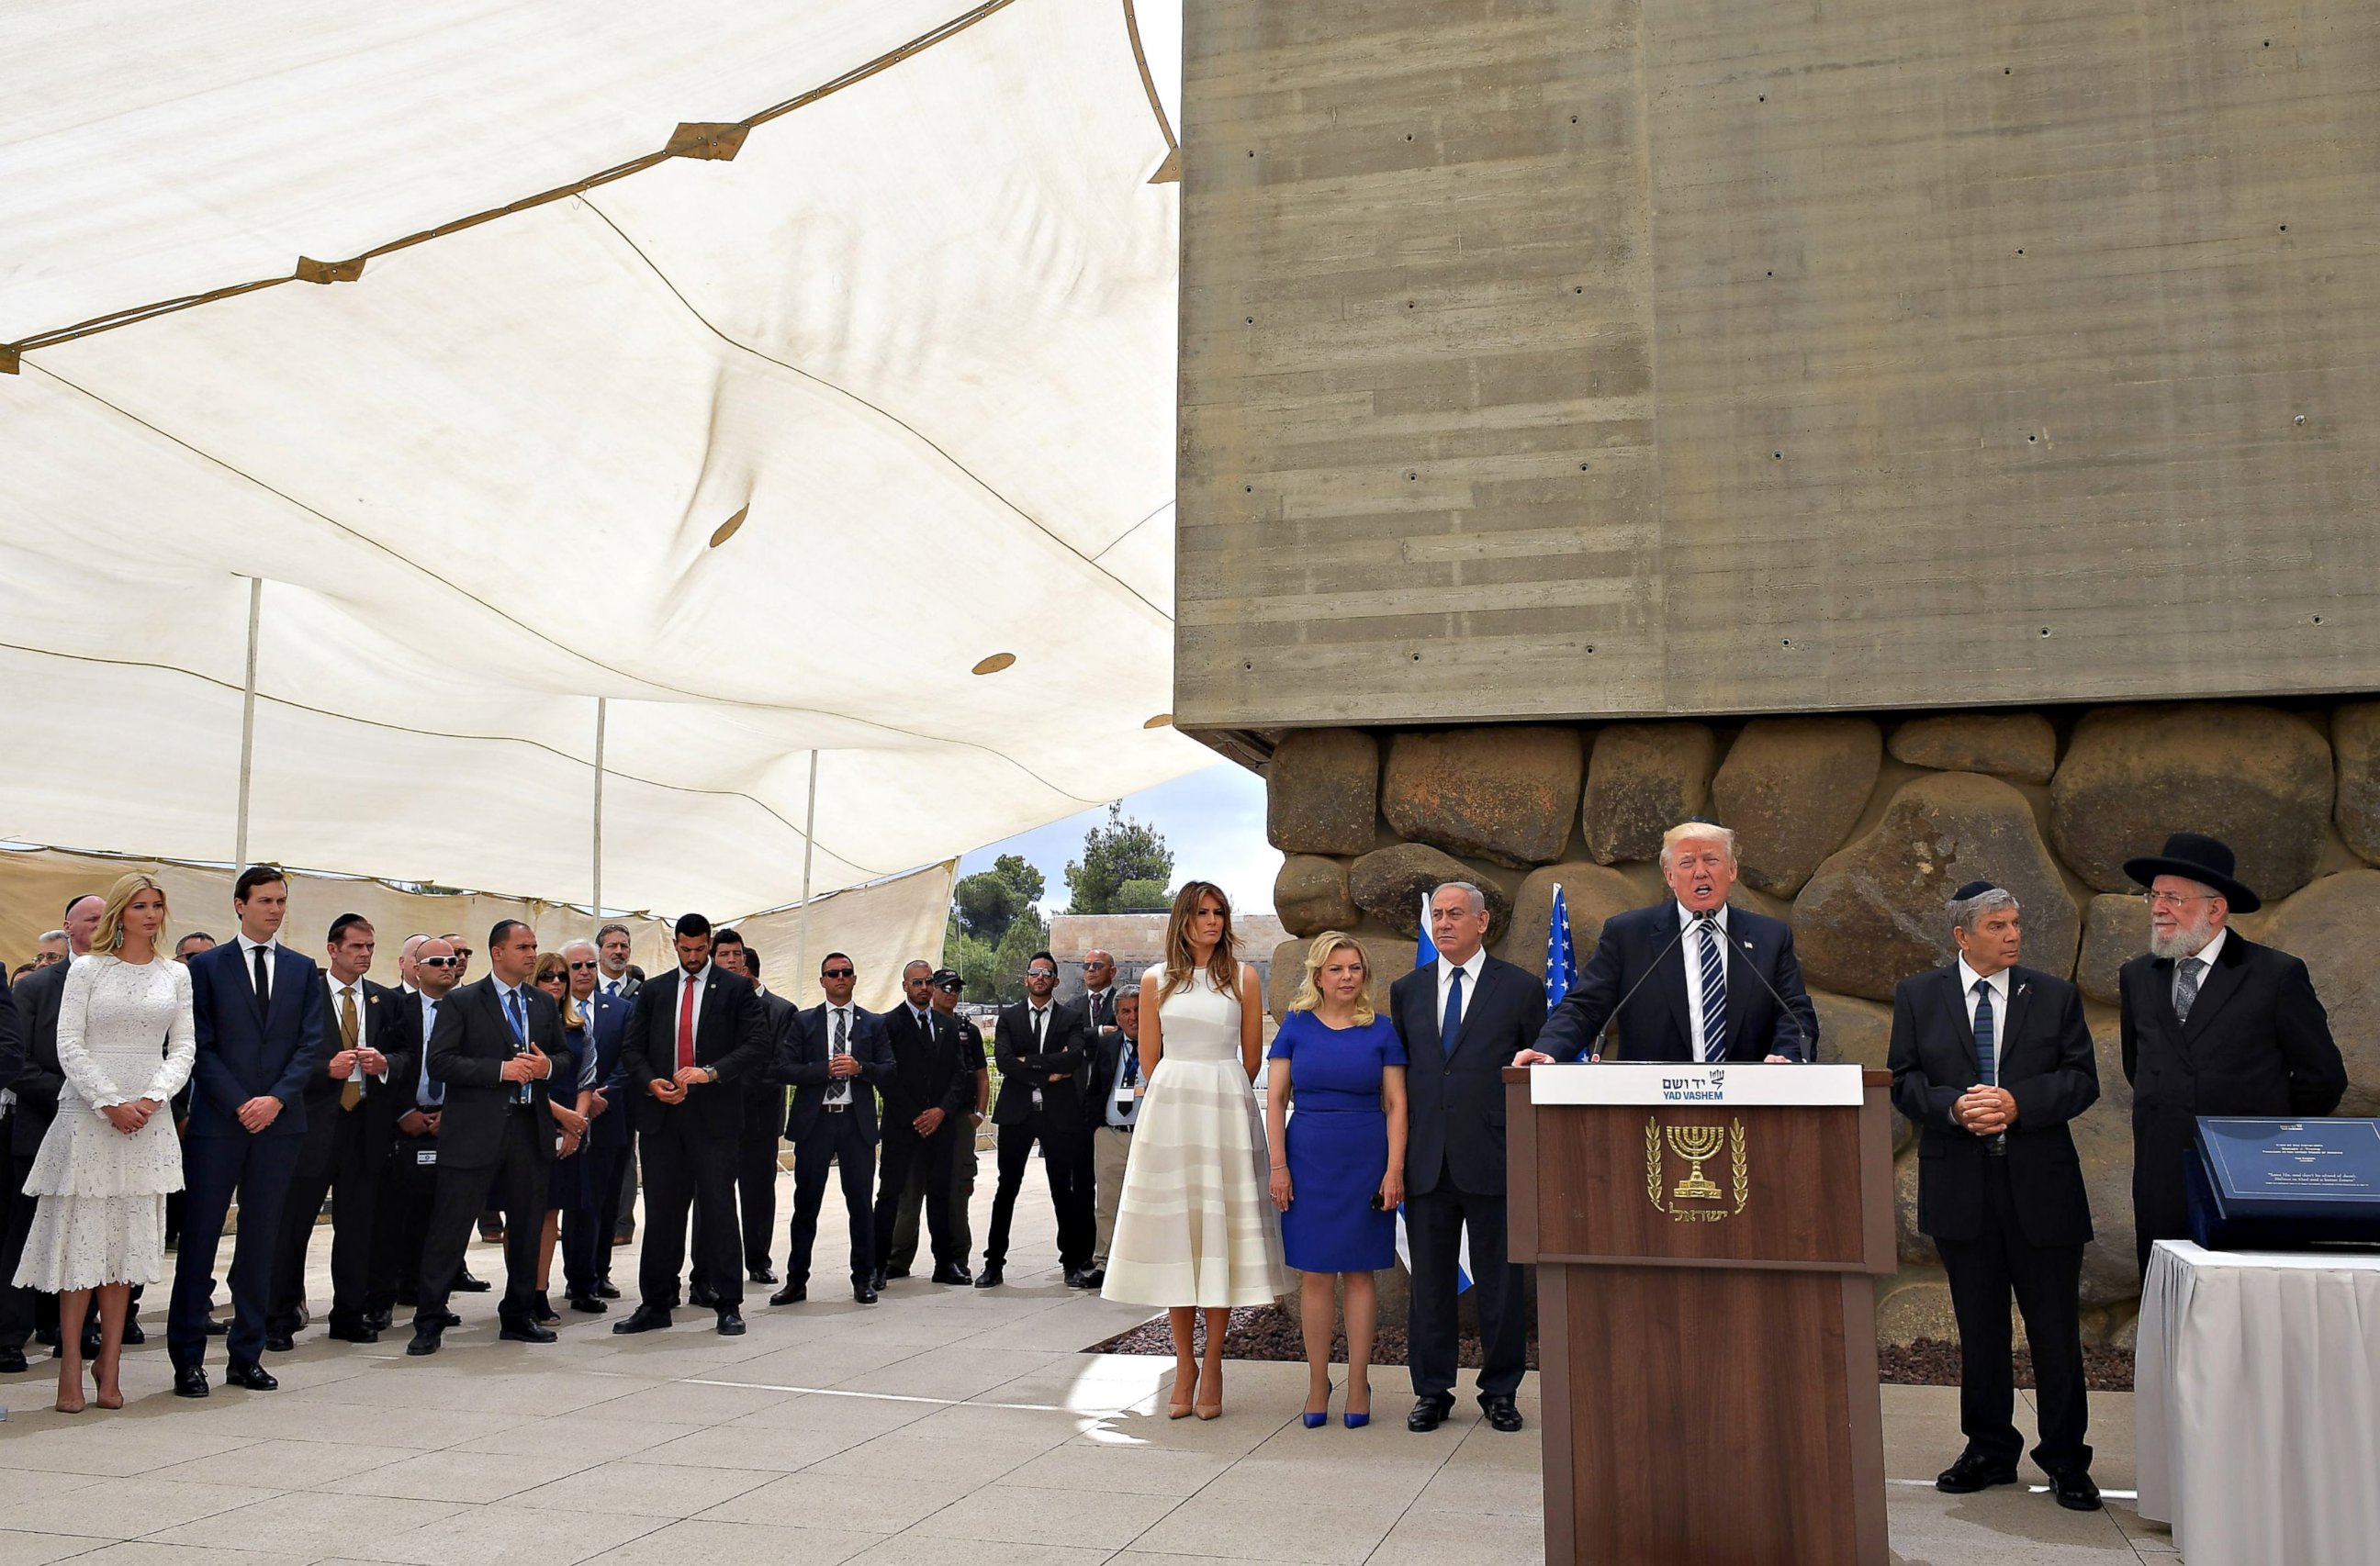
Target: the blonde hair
(109, 935)
(1695, 832)
(1222, 966)
(553, 965)
(1327, 945)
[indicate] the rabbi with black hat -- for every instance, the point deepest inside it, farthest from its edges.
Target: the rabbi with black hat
(2212, 1025)
(1991, 1060)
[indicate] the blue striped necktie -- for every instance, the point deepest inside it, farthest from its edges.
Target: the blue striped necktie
(1986, 1060)
(1714, 995)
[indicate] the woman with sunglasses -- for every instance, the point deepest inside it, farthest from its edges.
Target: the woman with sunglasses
(570, 1126)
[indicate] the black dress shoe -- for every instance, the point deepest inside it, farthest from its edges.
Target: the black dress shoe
(731, 1322)
(448, 1320)
(588, 1304)
(191, 1381)
(12, 1362)
(1075, 1278)
(761, 1275)
(425, 1341)
(133, 1335)
(1094, 1278)
(893, 1272)
(280, 1343)
(876, 1279)
(526, 1332)
(216, 1328)
(955, 1275)
(701, 1298)
(604, 1291)
(357, 1334)
(2075, 1491)
(1428, 1413)
(792, 1293)
(248, 1374)
(1501, 1414)
(863, 1293)
(466, 1285)
(378, 1320)
(644, 1318)
(990, 1277)
(1973, 1473)
(46, 1336)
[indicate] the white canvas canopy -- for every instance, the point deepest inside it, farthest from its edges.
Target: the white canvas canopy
(766, 452)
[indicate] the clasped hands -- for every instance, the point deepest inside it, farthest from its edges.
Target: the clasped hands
(671, 1089)
(526, 1068)
(130, 1118)
(1984, 1110)
(344, 1064)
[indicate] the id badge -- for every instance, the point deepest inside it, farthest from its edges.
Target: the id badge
(425, 1155)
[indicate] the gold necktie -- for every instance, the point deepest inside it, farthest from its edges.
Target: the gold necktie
(351, 1092)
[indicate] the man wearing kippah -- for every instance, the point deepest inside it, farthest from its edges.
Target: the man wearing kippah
(1991, 1060)
(2212, 1025)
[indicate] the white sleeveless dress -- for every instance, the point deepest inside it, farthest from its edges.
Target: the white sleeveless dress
(125, 1033)
(1193, 1223)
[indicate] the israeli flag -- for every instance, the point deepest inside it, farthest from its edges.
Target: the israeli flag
(1425, 956)
(1562, 966)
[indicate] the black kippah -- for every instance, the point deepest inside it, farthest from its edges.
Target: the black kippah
(1972, 890)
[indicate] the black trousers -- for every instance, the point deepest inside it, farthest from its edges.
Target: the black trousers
(19, 1307)
(349, 1174)
(756, 1170)
(909, 1220)
(587, 1222)
(1434, 1228)
(408, 1193)
(689, 1170)
(516, 1184)
(903, 1150)
(1065, 1146)
(840, 1138)
(2046, 1281)
(257, 1169)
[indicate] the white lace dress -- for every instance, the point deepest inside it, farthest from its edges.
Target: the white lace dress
(125, 1033)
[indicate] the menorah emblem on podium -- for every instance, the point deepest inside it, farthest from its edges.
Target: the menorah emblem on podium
(1695, 1144)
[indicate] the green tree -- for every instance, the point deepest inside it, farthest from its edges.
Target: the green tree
(1025, 935)
(975, 960)
(987, 901)
(1121, 850)
(1141, 896)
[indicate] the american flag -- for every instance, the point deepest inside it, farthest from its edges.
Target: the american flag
(1562, 966)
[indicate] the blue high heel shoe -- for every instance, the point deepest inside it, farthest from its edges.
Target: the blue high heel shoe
(1357, 1421)
(1316, 1421)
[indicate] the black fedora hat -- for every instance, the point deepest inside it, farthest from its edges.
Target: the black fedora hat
(2194, 857)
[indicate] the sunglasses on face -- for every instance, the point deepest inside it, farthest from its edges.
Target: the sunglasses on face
(839, 973)
(953, 988)
(580, 967)
(440, 961)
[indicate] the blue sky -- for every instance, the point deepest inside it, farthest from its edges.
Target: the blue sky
(1213, 820)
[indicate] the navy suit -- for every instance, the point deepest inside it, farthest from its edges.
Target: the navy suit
(1656, 1025)
(822, 1135)
(593, 1206)
(248, 1049)
(1455, 1168)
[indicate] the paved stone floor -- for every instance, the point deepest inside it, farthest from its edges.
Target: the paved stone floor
(942, 1426)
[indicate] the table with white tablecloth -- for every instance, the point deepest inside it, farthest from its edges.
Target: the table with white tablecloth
(2256, 1404)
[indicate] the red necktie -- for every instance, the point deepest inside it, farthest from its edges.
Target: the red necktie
(684, 1020)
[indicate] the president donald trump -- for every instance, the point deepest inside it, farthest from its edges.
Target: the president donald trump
(1690, 978)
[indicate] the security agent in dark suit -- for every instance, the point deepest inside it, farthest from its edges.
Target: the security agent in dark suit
(260, 1021)
(975, 1060)
(1691, 978)
(408, 1187)
(928, 1103)
(348, 1127)
(2212, 1024)
(493, 1049)
(763, 1123)
(594, 1207)
(14, 1202)
(1462, 1018)
(836, 1056)
(694, 1034)
(1991, 1061)
(1042, 1051)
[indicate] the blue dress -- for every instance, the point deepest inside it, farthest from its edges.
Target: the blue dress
(1338, 1150)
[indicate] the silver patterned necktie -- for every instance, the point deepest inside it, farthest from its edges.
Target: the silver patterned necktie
(2185, 986)
(1714, 995)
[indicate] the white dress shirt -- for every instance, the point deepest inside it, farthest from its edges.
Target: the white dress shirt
(2206, 954)
(1471, 971)
(247, 960)
(1999, 983)
(838, 1088)
(1691, 948)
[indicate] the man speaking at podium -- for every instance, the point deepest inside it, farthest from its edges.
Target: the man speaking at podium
(1991, 1060)
(1691, 979)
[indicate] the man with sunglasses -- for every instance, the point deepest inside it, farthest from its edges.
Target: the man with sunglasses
(593, 1176)
(928, 1099)
(836, 1056)
(974, 1058)
(409, 1186)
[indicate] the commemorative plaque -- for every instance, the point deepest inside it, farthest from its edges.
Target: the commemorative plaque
(2265, 1183)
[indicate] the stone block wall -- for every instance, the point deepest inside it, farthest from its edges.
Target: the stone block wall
(1855, 829)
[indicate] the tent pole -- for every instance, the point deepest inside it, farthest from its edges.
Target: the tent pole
(600, 714)
(248, 719)
(802, 928)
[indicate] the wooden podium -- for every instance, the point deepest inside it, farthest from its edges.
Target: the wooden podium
(1706, 1240)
